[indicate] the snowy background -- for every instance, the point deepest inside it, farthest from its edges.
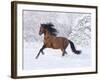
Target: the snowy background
(74, 26)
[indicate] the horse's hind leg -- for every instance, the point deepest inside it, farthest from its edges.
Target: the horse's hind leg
(64, 52)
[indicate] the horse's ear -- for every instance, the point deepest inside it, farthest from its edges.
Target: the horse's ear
(50, 24)
(42, 25)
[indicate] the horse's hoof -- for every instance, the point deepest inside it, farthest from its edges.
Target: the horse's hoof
(36, 57)
(63, 55)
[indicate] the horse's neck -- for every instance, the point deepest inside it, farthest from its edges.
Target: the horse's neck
(47, 35)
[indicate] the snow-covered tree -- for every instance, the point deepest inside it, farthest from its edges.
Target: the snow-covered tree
(81, 33)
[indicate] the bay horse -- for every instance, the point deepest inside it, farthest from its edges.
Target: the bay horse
(52, 41)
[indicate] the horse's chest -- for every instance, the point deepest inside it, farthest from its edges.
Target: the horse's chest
(47, 42)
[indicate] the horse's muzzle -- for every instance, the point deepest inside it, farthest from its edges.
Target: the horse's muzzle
(40, 33)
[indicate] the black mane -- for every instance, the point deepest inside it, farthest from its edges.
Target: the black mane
(50, 28)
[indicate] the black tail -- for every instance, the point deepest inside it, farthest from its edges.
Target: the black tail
(73, 48)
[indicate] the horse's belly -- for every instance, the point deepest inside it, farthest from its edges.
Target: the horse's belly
(53, 45)
(57, 45)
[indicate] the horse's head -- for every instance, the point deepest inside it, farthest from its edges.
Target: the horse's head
(48, 27)
(42, 29)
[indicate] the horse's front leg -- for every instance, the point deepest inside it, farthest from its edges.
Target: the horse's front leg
(41, 50)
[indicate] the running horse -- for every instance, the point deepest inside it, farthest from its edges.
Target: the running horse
(52, 41)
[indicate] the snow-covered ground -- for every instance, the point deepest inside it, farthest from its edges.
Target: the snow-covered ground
(53, 57)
